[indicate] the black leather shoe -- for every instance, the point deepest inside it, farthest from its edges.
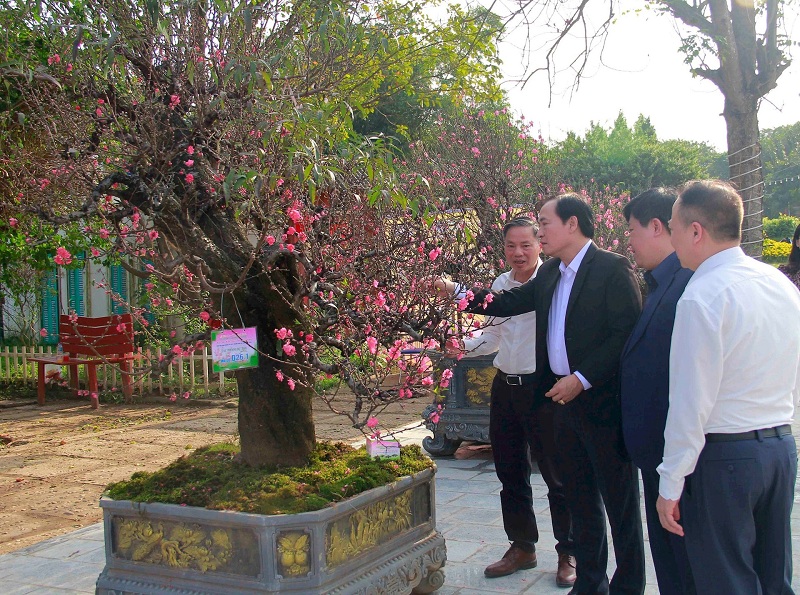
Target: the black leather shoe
(514, 559)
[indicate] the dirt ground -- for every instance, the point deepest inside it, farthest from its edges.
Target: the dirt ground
(56, 460)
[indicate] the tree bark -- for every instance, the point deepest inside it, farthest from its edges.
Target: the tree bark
(276, 426)
(275, 423)
(743, 78)
(744, 162)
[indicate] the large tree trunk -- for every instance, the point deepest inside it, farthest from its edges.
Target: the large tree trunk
(750, 63)
(746, 173)
(275, 423)
(276, 426)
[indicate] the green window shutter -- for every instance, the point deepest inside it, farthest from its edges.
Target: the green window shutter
(49, 309)
(119, 287)
(148, 314)
(76, 286)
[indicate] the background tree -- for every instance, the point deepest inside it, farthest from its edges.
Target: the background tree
(405, 114)
(781, 151)
(739, 45)
(208, 147)
(630, 159)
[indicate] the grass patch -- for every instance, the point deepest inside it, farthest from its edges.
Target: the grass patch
(109, 423)
(212, 477)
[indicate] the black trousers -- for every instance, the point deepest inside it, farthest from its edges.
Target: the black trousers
(597, 472)
(669, 550)
(518, 424)
(736, 513)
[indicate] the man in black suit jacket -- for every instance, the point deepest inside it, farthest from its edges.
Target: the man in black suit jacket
(587, 301)
(644, 373)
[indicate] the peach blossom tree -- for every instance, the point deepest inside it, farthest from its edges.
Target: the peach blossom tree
(208, 148)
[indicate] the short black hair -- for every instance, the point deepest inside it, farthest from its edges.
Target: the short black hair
(655, 203)
(521, 221)
(715, 205)
(569, 205)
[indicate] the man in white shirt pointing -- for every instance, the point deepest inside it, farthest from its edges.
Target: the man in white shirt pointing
(518, 420)
(730, 460)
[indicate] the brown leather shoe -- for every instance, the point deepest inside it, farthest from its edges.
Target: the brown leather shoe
(514, 559)
(565, 575)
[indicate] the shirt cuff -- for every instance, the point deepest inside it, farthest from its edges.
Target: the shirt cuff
(670, 489)
(586, 384)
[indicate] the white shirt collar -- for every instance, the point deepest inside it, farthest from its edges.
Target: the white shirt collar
(576, 262)
(719, 259)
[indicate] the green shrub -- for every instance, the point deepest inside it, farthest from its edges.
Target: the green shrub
(780, 228)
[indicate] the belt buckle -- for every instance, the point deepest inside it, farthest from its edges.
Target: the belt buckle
(510, 378)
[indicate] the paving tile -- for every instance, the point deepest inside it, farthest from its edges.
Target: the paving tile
(482, 501)
(456, 474)
(66, 549)
(24, 568)
(458, 551)
(461, 464)
(479, 533)
(470, 579)
(447, 590)
(92, 532)
(15, 588)
(474, 487)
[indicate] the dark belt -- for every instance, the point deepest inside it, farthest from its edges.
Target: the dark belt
(784, 430)
(516, 379)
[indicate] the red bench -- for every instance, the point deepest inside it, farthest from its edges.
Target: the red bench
(90, 342)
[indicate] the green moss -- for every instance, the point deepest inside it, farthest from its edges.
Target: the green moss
(212, 477)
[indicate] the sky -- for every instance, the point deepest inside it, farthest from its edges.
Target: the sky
(641, 72)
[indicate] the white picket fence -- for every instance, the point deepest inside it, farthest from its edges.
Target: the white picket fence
(192, 373)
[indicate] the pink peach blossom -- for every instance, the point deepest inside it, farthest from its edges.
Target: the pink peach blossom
(62, 257)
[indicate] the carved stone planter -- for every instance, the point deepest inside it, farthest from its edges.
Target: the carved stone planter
(383, 541)
(466, 406)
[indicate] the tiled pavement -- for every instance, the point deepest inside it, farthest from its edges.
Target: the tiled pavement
(467, 511)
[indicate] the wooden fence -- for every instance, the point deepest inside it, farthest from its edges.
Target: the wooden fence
(191, 373)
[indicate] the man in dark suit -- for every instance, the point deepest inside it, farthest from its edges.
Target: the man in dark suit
(587, 302)
(644, 372)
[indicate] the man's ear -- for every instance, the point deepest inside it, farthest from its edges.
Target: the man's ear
(573, 223)
(658, 227)
(697, 231)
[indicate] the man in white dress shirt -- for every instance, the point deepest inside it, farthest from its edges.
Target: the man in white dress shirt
(730, 460)
(520, 422)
